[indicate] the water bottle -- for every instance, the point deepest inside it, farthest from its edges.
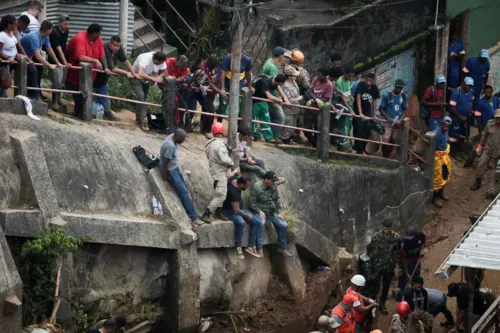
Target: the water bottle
(395, 120)
(154, 204)
(323, 268)
(100, 112)
(95, 109)
(160, 209)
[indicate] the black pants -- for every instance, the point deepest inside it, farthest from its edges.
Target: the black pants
(386, 284)
(207, 121)
(311, 122)
(360, 130)
(77, 99)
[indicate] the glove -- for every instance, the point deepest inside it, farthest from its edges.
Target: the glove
(479, 149)
(320, 103)
(309, 102)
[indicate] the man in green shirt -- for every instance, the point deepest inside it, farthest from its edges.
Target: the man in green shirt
(344, 84)
(274, 66)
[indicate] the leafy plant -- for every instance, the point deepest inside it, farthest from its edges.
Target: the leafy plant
(38, 269)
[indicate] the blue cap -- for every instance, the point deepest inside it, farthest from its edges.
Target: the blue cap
(278, 51)
(484, 53)
(440, 79)
(469, 81)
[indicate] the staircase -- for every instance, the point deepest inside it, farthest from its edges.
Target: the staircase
(147, 39)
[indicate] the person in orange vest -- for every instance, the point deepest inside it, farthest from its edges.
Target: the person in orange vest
(341, 318)
(359, 309)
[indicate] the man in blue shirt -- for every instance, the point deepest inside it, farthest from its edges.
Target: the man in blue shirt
(32, 44)
(393, 107)
(442, 162)
(485, 108)
(461, 113)
(478, 68)
(455, 54)
(225, 79)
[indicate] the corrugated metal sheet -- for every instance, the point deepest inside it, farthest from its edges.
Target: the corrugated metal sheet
(480, 247)
(82, 15)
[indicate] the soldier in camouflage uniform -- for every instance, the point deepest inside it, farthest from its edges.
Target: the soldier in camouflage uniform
(388, 243)
(368, 268)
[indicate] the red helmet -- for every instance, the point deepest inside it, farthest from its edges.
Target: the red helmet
(403, 308)
(348, 299)
(217, 128)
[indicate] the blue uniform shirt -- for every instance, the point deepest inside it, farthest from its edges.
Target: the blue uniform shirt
(462, 101)
(246, 65)
(394, 107)
(441, 139)
(478, 72)
(33, 42)
(487, 109)
(454, 65)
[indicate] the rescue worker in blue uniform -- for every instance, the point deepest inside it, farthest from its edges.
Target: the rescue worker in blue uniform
(485, 108)
(455, 54)
(461, 114)
(478, 68)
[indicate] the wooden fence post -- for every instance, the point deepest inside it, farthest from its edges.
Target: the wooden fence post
(21, 77)
(323, 141)
(86, 89)
(168, 107)
(246, 112)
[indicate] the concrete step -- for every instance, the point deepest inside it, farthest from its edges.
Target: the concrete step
(141, 26)
(169, 50)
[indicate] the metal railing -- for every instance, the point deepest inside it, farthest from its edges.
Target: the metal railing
(152, 28)
(166, 24)
(490, 319)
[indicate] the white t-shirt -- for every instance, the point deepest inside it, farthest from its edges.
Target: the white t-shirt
(34, 24)
(9, 45)
(146, 62)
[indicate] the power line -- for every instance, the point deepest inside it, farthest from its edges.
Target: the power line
(331, 9)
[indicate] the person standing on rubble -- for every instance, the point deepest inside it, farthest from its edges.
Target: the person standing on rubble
(442, 162)
(360, 311)
(220, 164)
(400, 320)
(341, 318)
(416, 296)
(411, 247)
(488, 148)
(388, 243)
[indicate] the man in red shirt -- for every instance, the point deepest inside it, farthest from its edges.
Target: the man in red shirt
(85, 46)
(178, 68)
(435, 101)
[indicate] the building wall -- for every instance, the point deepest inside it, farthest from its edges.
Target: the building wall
(484, 28)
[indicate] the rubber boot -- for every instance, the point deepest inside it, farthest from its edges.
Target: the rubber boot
(477, 185)
(437, 201)
(442, 195)
(108, 114)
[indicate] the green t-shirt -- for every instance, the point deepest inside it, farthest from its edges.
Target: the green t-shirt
(270, 68)
(344, 86)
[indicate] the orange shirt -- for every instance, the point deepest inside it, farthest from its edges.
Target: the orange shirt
(359, 316)
(174, 71)
(80, 46)
(348, 323)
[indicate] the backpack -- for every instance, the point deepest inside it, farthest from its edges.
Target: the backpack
(147, 159)
(5, 78)
(424, 110)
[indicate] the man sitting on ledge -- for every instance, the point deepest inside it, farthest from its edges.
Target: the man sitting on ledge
(265, 201)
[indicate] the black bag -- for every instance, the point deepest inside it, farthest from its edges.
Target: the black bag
(147, 159)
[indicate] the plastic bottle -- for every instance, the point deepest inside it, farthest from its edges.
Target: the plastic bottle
(160, 209)
(154, 204)
(100, 112)
(323, 268)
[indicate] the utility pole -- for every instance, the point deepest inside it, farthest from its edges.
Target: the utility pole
(124, 24)
(234, 96)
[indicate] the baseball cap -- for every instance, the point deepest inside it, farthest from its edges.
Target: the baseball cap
(63, 18)
(410, 232)
(291, 71)
(453, 289)
(497, 113)
(278, 51)
(400, 83)
(271, 175)
(440, 79)
(484, 53)
(469, 81)
(446, 120)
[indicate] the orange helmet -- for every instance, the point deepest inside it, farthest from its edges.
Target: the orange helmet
(297, 56)
(348, 299)
(403, 308)
(217, 128)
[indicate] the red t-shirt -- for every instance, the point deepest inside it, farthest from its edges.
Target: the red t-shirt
(174, 71)
(80, 46)
(433, 95)
(322, 90)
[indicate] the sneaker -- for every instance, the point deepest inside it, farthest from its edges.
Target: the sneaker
(252, 251)
(284, 252)
(143, 124)
(281, 180)
(219, 216)
(260, 252)
(239, 253)
(108, 115)
(206, 217)
(197, 222)
(437, 202)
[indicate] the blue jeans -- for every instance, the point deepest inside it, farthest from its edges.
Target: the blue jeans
(104, 90)
(256, 228)
(412, 269)
(281, 228)
(177, 181)
(34, 79)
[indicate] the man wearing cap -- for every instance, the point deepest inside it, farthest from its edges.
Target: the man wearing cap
(478, 68)
(411, 246)
(292, 92)
(434, 103)
(416, 296)
(388, 243)
(485, 109)
(393, 107)
(442, 162)
(341, 318)
(365, 105)
(462, 292)
(266, 202)
(58, 40)
(461, 113)
(488, 148)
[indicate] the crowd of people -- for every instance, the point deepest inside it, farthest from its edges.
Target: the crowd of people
(388, 255)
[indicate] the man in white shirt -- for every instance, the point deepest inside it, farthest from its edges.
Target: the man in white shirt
(152, 69)
(34, 10)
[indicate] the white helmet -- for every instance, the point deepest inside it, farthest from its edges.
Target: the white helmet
(358, 280)
(323, 321)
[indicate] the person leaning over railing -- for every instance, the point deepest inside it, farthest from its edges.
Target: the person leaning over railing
(58, 40)
(151, 68)
(86, 46)
(32, 44)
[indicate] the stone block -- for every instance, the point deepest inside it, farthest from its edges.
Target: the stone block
(290, 270)
(16, 106)
(20, 223)
(317, 244)
(35, 177)
(187, 236)
(221, 234)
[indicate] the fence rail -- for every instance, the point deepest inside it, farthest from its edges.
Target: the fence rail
(323, 132)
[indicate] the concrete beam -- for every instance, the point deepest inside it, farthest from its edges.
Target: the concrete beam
(221, 234)
(35, 178)
(290, 270)
(316, 244)
(16, 106)
(20, 222)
